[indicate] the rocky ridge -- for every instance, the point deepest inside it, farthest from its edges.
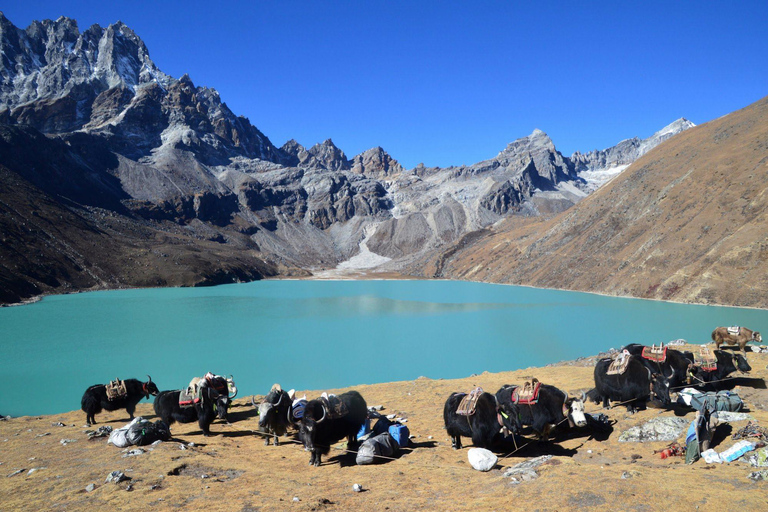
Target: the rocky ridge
(165, 153)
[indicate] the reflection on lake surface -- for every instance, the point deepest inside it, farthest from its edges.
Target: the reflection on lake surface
(319, 334)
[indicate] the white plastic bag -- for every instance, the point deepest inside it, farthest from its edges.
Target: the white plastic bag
(117, 437)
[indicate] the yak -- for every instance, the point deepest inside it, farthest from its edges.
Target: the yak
(483, 426)
(721, 336)
(328, 419)
(675, 368)
(727, 363)
(552, 408)
(95, 398)
(275, 413)
(632, 388)
(214, 402)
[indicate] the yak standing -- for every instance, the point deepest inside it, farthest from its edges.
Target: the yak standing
(329, 419)
(212, 399)
(735, 336)
(673, 364)
(551, 408)
(275, 413)
(95, 398)
(481, 421)
(633, 386)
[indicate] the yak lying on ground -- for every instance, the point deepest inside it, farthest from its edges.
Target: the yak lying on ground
(721, 336)
(553, 408)
(214, 401)
(674, 368)
(95, 398)
(274, 413)
(632, 388)
(483, 426)
(327, 420)
(727, 363)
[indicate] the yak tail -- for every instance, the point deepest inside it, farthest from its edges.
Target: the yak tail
(594, 396)
(90, 404)
(714, 335)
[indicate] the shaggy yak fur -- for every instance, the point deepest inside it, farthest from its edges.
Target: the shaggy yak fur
(274, 413)
(674, 368)
(483, 426)
(721, 336)
(633, 388)
(727, 363)
(167, 407)
(318, 430)
(95, 398)
(547, 413)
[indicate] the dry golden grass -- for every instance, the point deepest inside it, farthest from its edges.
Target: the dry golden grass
(246, 475)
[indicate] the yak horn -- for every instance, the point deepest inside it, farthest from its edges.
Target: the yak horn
(323, 418)
(150, 379)
(583, 397)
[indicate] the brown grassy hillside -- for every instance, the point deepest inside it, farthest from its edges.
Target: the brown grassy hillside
(244, 475)
(686, 222)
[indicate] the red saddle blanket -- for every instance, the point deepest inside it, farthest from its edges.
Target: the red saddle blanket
(468, 404)
(656, 354)
(528, 393)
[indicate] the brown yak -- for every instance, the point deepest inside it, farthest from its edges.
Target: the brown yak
(721, 336)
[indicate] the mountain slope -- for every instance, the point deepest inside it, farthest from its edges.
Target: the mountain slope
(685, 222)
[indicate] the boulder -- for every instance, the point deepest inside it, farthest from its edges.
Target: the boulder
(658, 429)
(482, 459)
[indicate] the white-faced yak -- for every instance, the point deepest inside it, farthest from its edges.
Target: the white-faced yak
(95, 398)
(483, 425)
(329, 419)
(632, 388)
(551, 409)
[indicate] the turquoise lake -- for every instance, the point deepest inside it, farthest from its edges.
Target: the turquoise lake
(319, 334)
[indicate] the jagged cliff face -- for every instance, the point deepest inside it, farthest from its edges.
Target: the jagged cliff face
(162, 152)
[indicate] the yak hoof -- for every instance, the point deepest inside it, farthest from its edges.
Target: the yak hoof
(266, 442)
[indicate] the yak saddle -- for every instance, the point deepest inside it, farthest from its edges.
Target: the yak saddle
(334, 406)
(528, 393)
(619, 363)
(116, 390)
(655, 354)
(706, 359)
(468, 404)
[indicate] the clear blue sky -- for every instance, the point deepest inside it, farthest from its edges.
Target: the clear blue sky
(448, 83)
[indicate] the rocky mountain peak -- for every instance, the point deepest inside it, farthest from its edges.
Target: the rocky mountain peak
(376, 162)
(328, 156)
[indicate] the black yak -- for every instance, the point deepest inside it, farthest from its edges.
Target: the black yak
(552, 408)
(327, 420)
(95, 398)
(213, 401)
(675, 367)
(632, 388)
(274, 413)
(483, 426)
(727, 363)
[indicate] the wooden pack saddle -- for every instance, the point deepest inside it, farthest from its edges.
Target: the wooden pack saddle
(116, 390)
(734, 330)
(334, 406)
(655, 354)
(528, 393)
(706, 359)
(619, 363)
(468, 404)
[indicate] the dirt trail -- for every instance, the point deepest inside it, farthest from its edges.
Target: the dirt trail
(233, 470)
